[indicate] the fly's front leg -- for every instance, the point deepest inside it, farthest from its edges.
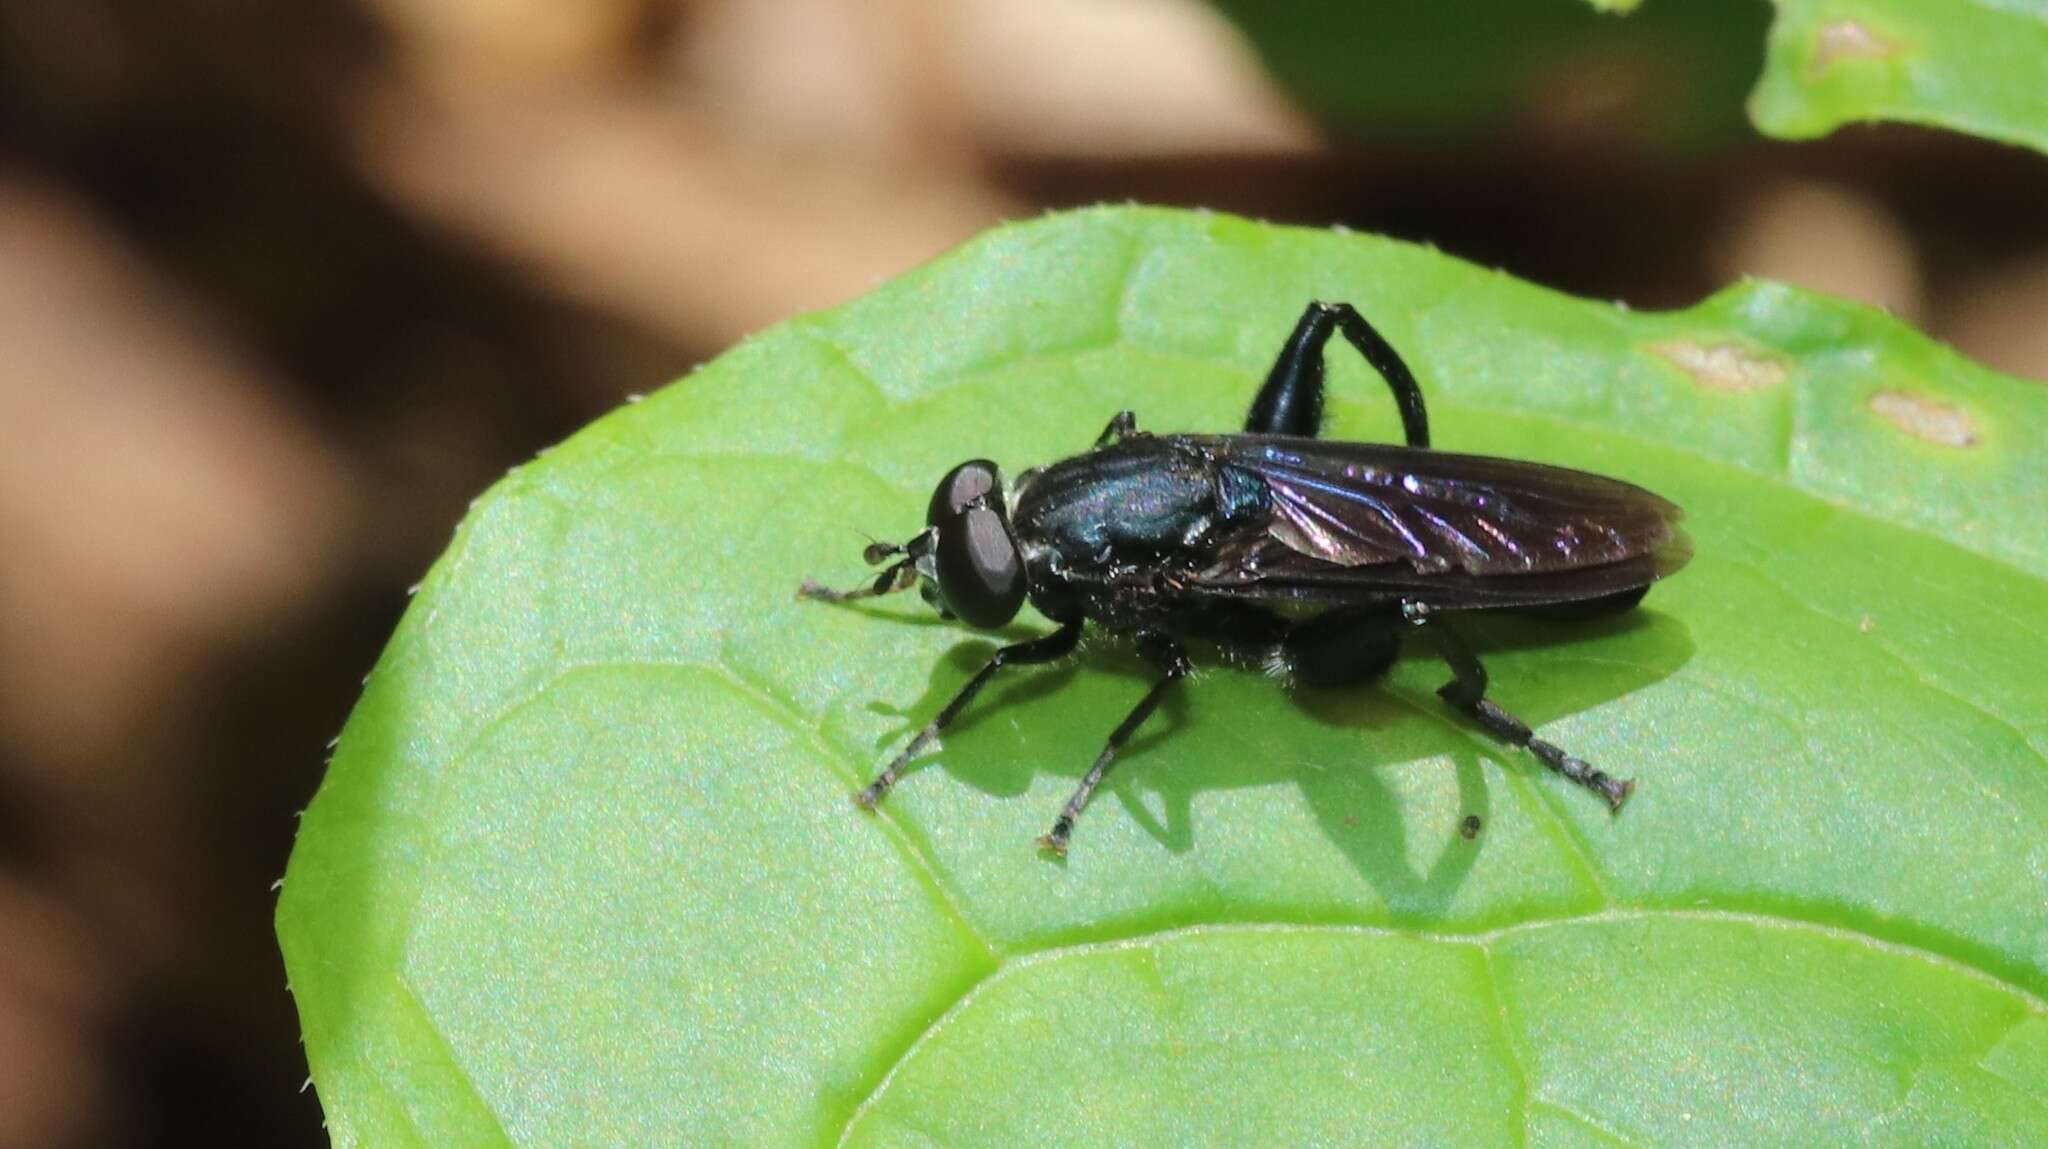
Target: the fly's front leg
(1172, 662)
(1122, 425)
(1467, 691)
(1291, 401)
(1055, 645)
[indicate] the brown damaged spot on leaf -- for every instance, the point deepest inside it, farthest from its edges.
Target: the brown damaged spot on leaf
(1724, 366)
(1926, 418)
(1847, 40)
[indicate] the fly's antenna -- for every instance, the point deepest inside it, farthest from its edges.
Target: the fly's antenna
(901, 575)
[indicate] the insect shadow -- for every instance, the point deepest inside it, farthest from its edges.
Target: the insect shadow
(1000, 747)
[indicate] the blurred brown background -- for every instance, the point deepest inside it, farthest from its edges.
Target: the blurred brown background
(282, 286)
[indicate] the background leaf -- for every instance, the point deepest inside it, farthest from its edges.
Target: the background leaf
(1676, 68)
(1976, 66)
(584, 871)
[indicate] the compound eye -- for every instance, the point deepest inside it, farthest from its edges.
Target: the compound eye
(981, 575)
(972, 482)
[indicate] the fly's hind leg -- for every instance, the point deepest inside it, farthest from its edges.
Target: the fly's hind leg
(1122, 425)
(1467, 691)
(1291, 401)
(1343, 646)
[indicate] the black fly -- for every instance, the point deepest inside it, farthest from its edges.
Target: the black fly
(1312, 555)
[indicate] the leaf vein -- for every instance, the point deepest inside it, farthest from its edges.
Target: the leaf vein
(1517, 1067)
(1009, 964)
(1924, 678)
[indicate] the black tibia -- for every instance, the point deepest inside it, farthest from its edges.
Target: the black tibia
(1172, 662)
(1467, 691)
(1291, 402)
(1055, 645)
(1122, 425)
(1343, 646)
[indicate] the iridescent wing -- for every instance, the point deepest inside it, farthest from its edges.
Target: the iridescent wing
(1452, 530)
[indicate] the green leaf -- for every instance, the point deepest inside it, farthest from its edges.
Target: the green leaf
(584, 870)
(1976, 66)
(1674, 71)
(1673, 68)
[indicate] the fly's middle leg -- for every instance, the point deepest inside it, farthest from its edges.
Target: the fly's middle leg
(1172, 661)
(1467, 691)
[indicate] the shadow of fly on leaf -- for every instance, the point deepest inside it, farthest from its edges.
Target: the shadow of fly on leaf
(1307, 558)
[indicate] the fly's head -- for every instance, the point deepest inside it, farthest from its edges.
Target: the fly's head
(965, 562)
